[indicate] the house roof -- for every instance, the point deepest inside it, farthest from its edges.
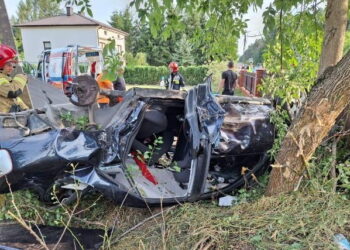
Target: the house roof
(65, 20)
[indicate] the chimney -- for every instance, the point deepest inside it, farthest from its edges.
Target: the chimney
(69, 10)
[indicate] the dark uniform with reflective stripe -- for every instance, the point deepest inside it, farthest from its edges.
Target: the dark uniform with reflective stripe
(10, 90)
(175, 81)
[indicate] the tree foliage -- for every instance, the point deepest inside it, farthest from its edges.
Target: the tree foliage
(254, 51)
(112, 61)
(85, 6)
(184, 51)
(31, 10)
(161, 51)
(122, 20)
(293, 49)
(223, 22)
(140, 59)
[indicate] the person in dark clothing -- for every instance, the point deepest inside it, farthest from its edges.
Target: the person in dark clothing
(119, 83)
(175, 80)
(228, 80)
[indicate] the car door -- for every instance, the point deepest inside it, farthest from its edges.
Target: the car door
(204, 117)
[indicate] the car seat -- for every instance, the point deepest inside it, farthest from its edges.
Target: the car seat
(154, 124)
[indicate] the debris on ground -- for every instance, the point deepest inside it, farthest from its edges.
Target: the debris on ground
(342, 242)
(228, 201)
(14, 235)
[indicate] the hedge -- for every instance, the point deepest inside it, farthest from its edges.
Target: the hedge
(151, 75)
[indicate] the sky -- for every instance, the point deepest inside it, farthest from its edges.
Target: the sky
(103, 9)
(255, 26)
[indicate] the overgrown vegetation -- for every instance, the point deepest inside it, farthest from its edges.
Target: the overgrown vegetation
(255, 52)
(69, 120)
(297, 221)
(292, 64)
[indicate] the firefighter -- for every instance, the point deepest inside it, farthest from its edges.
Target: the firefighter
(106, 84)
(10, 88)
(175, 80)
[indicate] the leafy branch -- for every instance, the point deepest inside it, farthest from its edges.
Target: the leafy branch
(80, 123)
(83, 4)
(112, 61)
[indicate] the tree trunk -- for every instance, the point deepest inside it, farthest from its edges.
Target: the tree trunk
(334, 35)
(6, 35)
(325, 102)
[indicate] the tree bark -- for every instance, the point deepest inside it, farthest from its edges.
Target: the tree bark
(6, 35)
(325, 102)
(334, 35)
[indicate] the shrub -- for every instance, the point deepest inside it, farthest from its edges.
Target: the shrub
(151, 75)
(194, 74)
(140, 59)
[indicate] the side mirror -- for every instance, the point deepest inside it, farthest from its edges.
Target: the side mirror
(6, 164)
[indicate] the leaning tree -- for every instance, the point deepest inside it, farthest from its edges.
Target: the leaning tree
(325, 102)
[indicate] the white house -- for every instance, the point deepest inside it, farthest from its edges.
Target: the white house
(63, 30)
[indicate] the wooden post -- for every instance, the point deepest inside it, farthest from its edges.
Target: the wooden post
(259, 75)
(241, 78)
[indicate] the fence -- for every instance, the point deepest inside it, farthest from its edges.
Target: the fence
(250, 81)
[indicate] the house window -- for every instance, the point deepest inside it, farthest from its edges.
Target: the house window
(119, 48)
(47, 45)
(105, 32)
(102, 45)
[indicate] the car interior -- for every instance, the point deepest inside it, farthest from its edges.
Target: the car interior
(158, 163)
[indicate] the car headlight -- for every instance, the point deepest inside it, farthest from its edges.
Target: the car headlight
(6, 164)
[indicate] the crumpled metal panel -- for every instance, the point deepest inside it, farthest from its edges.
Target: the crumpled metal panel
(100, 181)
(34, 151)
(246, 129)
(210, 113)
(117, 134)
(77, 146)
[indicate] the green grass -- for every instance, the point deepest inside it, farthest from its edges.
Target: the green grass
(130, 86)
(296, 221)
(301, 220)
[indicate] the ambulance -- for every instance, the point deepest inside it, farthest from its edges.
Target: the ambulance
(60, 66)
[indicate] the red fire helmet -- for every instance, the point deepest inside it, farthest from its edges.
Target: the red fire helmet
(174, 67)
(7, 54)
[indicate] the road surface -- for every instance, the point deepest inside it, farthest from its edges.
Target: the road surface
(39, 100)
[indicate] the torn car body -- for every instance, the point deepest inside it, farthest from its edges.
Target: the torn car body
(155, 147)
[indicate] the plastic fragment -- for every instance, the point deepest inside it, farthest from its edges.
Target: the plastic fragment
(342, 242)
(228, 201)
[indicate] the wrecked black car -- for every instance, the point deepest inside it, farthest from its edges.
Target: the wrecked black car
(153, 147)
